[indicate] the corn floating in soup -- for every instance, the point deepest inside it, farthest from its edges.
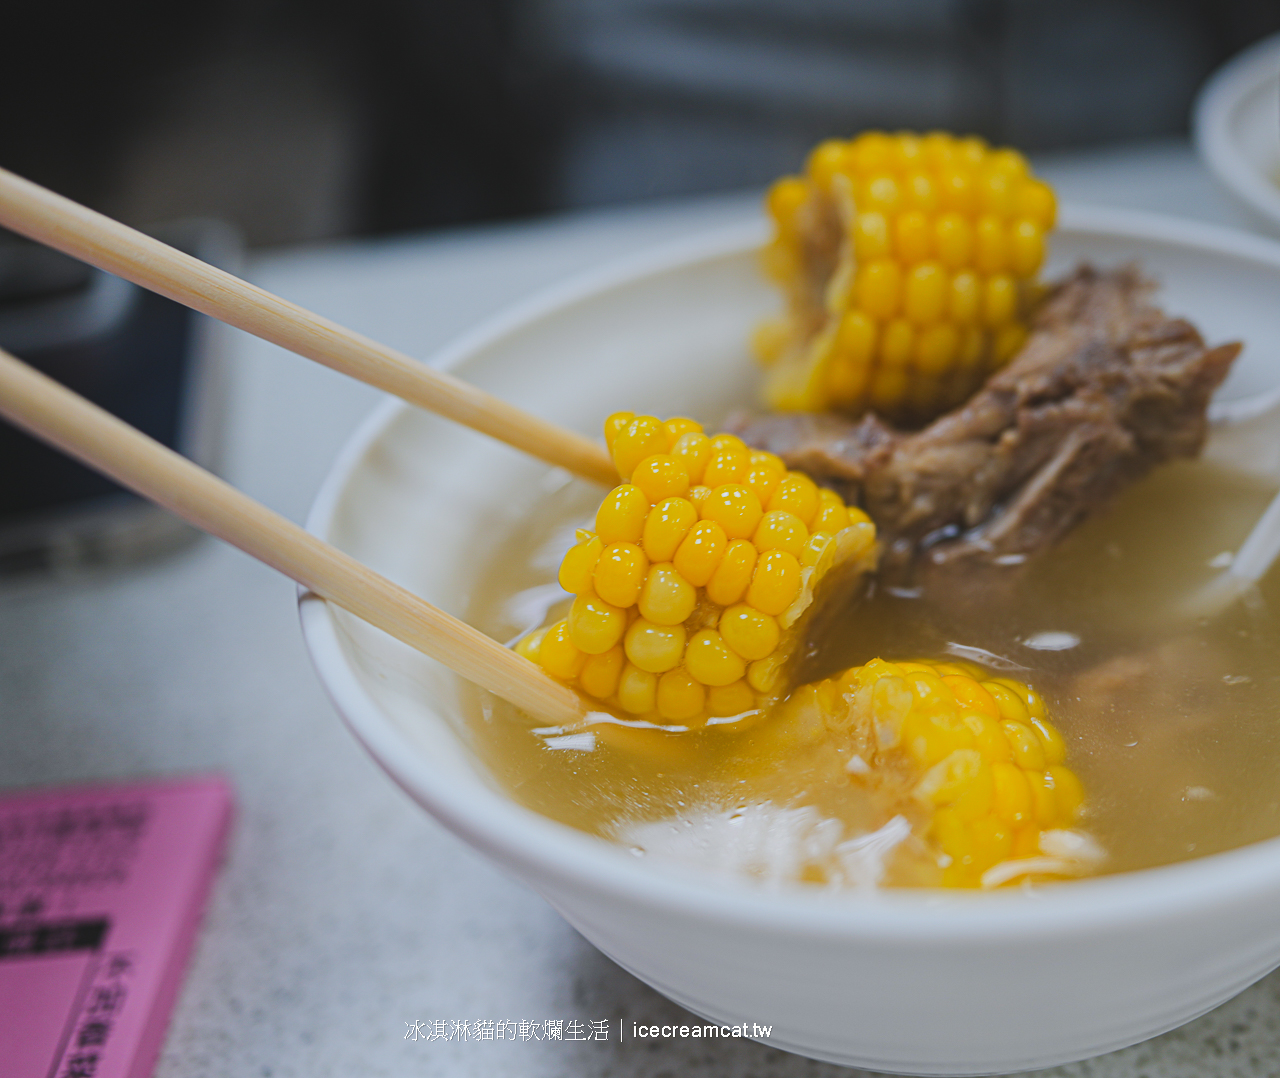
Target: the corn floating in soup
(1168, 731)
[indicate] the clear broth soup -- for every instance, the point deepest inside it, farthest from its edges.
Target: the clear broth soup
(1172, 725)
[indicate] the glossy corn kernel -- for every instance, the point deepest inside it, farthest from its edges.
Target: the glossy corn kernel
(972, 759)
(939, 234)
(687, 596)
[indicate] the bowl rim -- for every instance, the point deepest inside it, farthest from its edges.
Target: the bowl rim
(1211, 124)
(546, 852)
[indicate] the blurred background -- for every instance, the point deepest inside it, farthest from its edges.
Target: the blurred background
(299, 121)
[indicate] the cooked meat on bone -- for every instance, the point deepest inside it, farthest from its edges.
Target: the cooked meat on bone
(1107, 387)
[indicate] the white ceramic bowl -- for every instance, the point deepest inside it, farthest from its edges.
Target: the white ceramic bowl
(919, 982)
(1236, 126)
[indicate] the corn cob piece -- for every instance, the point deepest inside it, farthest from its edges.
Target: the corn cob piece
(971, 759)
(690, 590)
(907, 263)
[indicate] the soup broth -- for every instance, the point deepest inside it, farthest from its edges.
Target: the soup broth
(1173, 725)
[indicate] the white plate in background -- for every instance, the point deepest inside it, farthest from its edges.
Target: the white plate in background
(1236, 127)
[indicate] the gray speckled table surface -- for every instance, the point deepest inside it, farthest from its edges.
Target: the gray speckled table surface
(343, 912)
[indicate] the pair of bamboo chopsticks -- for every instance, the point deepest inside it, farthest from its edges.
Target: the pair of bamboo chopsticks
(50, 411)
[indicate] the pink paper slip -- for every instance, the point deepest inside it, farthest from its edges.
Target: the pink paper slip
(101, 891)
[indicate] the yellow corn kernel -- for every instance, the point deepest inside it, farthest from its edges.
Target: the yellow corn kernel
(621, 516)
(992, 841)
(999, 300)
(907, 152)
(655, 648)
(1026, 841)
(661, 476)
(530, 644)
(666, 597)
(1043, 798)
(1055, 749)
(976, 800)
(1030, 698)
(796, 494)
(1026, 247)
(965, 301)
(724, 701)
(998, 192)
(600, 673)
(1067, 792)
(781, 530)
(1010, 703)
(938, 150)
(666, 527)
(871, 237)
(641, 438)
(880, 194)
(749, 632)
(897, 344)
(711, 661)
(870, 152)
(990, 244)
(1037, 202)
(775, 582)
(594, 625)
(735, 508)
(1012, 794)
(721, 442)
(677, 427)
(988, 736)
(970, 695)
(912, 241)
(784, 200)
(762, 481)
(920, 192)
(1028, 753)
(949, 778)
(558, 655)
(680, 696)
(956, 189)
(725, 466)
(1009, 162)
(953, 836)
(700, 552)
(637, 690)
(971, 150)
(878, 288)
(936, 349)
(731, 577)
(579, 564)
(832, 516)
(1008, 343)
(762, 459)
(619, 574)
(855, 350)
(953, 240)
(614, 425)
(763, 675)
(825, 160)
(693, 449)
(924, 297)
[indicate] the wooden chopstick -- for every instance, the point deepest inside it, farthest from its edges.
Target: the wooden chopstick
(91, 237)
(50, 411)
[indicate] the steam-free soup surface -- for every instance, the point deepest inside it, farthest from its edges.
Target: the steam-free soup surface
(1173, 725)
